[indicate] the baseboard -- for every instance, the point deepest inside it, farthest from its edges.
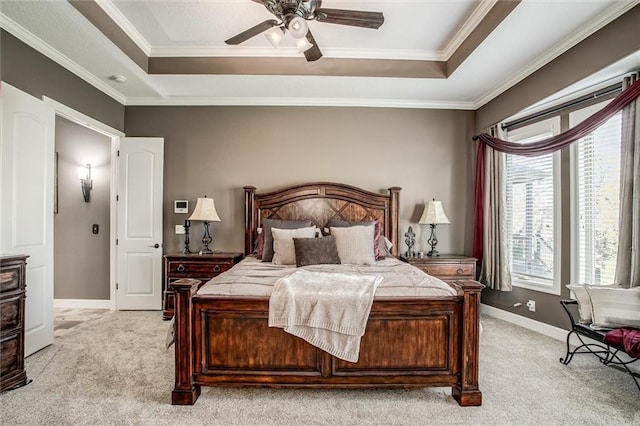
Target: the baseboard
(82, 303)
(528, 323)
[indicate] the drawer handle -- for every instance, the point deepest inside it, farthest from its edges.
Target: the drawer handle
(460, 271)
(216, 268)
(180, 268)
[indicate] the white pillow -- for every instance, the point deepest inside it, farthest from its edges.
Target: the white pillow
(614, 307)
(355, 244)
(584, 302)
(284, 252)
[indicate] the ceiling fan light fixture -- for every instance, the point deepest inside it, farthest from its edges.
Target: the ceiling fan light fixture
(274, 35)
(303, 44)
(298, 27)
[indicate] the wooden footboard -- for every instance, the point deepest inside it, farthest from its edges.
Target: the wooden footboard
(418, 342)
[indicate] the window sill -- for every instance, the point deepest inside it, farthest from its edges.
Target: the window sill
(537, 286)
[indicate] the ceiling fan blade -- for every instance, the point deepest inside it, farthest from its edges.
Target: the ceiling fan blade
(355, 18)
(252, 32)
(313, 53)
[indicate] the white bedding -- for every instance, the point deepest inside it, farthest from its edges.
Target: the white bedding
(252, 277)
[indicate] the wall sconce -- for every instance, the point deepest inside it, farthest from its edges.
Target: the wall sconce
(84, 173)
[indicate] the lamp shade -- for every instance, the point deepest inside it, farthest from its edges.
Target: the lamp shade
(205, 211)
(303, 45)
(433, 213)
(298, 27)
(274, 35)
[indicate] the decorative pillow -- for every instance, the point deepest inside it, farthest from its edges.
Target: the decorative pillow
(316, 251)
(385, 247)
(376, 235)
(584, 302)
(355, 244)
(614, 307)
(260, 244)
(284, 252)
(267, 224)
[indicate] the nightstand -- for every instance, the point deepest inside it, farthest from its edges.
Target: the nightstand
(447, 267)
(199, 266)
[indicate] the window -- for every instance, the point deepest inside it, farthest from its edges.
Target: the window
(533, 217)
(595, 200)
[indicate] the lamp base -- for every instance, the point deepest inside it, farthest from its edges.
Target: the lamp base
(433, 241)
(206, 239)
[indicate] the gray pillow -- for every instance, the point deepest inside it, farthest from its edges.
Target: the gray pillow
(316, 251)
(267, 224)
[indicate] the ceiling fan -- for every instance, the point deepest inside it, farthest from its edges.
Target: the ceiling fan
(293, 16)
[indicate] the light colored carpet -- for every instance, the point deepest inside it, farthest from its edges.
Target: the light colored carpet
(116, 370)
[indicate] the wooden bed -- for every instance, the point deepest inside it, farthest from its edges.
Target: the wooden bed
(409, 342)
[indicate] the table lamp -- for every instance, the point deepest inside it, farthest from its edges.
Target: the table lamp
(433, 215)
(205, 211)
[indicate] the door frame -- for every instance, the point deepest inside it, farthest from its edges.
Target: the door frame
(115, 135)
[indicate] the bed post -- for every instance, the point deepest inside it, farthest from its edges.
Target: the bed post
(249, 219)
(467, 391)
(185, 391)
(394, 207)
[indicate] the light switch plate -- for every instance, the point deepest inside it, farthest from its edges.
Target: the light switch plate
(179, 229)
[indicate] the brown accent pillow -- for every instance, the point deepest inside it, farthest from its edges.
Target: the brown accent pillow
(267, 224)
(316, 251)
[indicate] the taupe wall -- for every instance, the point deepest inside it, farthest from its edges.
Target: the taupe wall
(614, 42)
(215, 151)
(34, 73)
(81, 258)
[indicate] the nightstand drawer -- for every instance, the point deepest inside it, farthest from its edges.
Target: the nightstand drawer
(449, 270)
(10, 314)
(447, 267)
(187, 269)
(10, 278)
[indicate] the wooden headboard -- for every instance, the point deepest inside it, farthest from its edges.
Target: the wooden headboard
(320, 202)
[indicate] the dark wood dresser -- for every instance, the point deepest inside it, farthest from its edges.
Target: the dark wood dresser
(199, 266)
(447, 267)
(13, 269)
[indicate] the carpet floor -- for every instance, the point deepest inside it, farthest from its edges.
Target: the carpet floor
(115, 370)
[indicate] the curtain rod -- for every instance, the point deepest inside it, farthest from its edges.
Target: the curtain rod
(553, 110)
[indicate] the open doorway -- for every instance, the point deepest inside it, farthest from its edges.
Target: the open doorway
(84, 218)
(81, 219)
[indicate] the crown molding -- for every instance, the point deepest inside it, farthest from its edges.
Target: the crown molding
(286, 52)
(312, 102)
(125, 25)
(467, 28)
(47, 50)
(619, 9)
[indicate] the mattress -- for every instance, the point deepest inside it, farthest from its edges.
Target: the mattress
(252, 277)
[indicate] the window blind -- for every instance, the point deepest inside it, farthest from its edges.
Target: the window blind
(530, 214)
(597, 191)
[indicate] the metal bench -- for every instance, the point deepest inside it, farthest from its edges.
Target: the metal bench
(606, 353)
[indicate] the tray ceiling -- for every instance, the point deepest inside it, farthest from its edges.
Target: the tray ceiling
(427, 54)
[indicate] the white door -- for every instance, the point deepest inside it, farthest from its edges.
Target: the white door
(139, 249)
(26, 200)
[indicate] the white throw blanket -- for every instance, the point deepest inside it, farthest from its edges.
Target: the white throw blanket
(328, 310)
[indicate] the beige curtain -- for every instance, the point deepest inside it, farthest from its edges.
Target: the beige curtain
(495, 269)
(628, 263)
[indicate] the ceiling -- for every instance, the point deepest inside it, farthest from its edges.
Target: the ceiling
(428, 54)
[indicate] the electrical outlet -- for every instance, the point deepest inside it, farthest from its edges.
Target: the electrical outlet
(531, 304)
(179, 229)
